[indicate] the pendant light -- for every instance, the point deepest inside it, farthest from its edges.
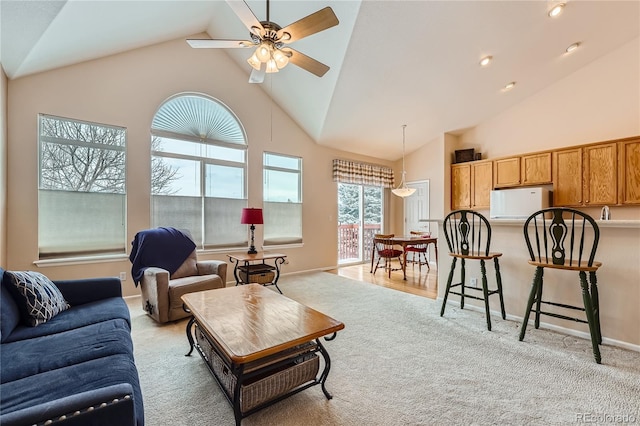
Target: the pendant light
(403, 190)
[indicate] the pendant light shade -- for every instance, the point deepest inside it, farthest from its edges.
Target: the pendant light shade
(403, 190)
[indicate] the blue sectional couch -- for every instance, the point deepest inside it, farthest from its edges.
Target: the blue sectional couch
(75, 369)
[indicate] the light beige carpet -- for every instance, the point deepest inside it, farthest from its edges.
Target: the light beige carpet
(398, 362)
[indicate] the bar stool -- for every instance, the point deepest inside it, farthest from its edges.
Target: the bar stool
(468, 235)
(566, 239)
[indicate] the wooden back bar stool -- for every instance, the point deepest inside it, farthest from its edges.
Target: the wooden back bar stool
(468, 235)
(567, 239)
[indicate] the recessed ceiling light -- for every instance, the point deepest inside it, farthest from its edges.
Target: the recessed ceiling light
(573, 47)
(509, 86)
(485, 61)
(556, 10)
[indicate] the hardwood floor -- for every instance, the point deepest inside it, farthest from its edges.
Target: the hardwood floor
(422, 284)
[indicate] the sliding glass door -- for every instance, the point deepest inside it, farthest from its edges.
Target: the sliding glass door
(359, 218)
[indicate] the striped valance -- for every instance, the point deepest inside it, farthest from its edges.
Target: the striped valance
(362, 174)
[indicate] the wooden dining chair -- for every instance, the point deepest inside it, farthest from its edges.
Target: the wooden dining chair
(387, 250)
(468, 235)
(418, 251)
(564, 239)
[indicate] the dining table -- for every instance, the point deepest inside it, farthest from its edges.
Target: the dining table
(408, 240)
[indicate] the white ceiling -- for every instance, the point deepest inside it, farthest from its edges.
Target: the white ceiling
(392, 62)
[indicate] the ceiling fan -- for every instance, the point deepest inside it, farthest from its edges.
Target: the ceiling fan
(271, 41)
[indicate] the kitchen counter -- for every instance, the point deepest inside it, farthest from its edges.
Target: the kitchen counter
(519, 222)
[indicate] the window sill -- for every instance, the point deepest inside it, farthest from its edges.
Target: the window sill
(81, 260)
(282, 246)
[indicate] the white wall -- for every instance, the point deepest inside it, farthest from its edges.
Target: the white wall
(126, 90)
(3, 167)
(599, 102)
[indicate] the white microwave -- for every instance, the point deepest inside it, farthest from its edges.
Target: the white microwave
(518, 203)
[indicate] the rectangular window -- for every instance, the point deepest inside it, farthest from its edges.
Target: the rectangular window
(81, 188)
(201, 188)
(282, 192)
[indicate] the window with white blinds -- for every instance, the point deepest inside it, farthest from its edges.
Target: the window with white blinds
(282, 193)
(81, 188)
(198, 170)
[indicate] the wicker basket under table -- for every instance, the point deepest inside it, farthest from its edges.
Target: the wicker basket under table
(266, 379)
(259, 273)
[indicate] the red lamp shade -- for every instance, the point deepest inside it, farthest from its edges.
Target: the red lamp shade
(251, 217)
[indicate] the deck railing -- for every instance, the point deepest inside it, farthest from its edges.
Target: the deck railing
(349, 241)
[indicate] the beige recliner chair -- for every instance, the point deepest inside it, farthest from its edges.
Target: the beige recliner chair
(162, 291)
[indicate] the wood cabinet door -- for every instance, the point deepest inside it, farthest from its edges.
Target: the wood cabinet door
(536, 169)
(567, 177)
(600, 179)
(629, 172)
(506, 172)
(460, 186)
(481, 184)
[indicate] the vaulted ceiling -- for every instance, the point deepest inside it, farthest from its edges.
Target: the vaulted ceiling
(392, 62)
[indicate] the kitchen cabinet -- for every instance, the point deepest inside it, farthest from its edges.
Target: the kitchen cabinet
(629, 171)
(531, 169)
(460, 186)
(536, 169)
(506, 172)
(567, 177)
(596, 174)
(471, 185)
(600, 174)
(481, 184)
(585, 176)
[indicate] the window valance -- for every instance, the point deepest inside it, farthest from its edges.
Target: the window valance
(362, 174)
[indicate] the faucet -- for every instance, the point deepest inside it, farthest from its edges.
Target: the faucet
(605, 214)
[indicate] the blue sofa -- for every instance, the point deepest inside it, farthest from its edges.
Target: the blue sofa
(75, 369)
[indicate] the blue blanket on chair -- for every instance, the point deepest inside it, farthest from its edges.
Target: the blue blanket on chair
(165, 248)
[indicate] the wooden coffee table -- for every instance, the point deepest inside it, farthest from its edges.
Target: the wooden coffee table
(260, 346)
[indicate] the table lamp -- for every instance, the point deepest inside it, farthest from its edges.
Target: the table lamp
(252, 217)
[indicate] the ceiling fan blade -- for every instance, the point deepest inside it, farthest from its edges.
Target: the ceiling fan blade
(258, 76)
(306, 63)
(219, 44)
(311, 24)
(247, 17)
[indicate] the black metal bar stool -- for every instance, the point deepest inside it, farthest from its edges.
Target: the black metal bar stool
(468, 235)
(566, 239)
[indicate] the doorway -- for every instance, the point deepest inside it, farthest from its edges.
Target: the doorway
(360, 216)
(416, 208)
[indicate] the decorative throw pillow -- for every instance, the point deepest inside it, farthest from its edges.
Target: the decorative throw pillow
(39, 299)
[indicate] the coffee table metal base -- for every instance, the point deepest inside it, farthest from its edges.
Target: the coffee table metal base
(259, 384)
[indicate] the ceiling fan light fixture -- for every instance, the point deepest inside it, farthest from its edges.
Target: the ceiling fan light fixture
(267, 38)
(281, 58)
(263, 52)
(403, 190)
(254, 62)
(272, 66)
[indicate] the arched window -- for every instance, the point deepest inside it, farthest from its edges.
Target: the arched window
(198, 170)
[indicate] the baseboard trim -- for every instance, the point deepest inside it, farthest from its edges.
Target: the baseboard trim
(554, 327)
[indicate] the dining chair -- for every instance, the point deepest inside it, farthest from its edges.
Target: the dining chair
(419, 251)
(468, 235)
(386, 249)
(566, 239)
